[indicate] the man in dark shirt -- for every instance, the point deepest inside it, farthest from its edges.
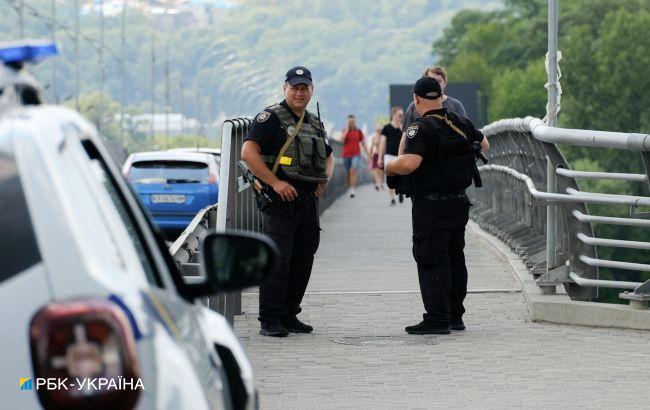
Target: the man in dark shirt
(292, 221)
(437, 166)
(391, 135)
(450, 103)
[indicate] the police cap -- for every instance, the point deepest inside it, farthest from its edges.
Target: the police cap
(298, 75)
(427, 88)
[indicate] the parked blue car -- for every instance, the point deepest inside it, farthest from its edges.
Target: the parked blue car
(173, 185)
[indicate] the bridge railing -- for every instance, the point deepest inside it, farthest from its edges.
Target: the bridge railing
(531, 199)
(237, 209)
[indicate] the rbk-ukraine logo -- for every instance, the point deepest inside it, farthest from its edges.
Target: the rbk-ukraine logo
(26, 383)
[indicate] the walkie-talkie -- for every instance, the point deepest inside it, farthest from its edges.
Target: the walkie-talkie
(320, 122)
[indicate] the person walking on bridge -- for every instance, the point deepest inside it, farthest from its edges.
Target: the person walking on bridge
(450, 103)
(438, 164)
(287, 149)
(353, 145)
(377, 170)
(391, 135)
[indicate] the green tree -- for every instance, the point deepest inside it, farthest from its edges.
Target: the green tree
(519, 92)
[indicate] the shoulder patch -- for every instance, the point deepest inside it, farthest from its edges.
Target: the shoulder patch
(263, 116)
(412, 131)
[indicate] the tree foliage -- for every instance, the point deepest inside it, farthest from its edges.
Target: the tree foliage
(354, 49)
(605, 80)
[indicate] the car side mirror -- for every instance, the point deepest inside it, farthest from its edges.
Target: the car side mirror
(236, 260)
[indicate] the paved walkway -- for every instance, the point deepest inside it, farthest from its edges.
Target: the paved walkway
(359, 356)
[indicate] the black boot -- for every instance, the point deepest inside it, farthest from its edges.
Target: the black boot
(427, 328)
(273, 329)
(456, 324)
(294, 325)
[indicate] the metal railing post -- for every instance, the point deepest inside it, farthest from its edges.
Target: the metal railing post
(551, 218)
(552, 106)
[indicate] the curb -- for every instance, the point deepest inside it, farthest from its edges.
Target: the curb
(559, 308)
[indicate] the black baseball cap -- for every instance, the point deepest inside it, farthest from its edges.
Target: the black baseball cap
(427, 88)
(298, 75)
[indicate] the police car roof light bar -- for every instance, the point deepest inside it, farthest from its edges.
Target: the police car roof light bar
(17, 53)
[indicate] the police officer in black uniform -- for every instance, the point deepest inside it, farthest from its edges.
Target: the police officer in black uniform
(438, 164)
(287, 149)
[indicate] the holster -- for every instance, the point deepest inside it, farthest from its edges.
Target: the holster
(478, 182)
(392, 181)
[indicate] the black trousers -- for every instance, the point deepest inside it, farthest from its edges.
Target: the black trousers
(294, 226)
(438, 243)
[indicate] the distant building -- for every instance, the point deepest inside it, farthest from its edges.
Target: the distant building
(171, 13)
(178, 124)
(469, 94)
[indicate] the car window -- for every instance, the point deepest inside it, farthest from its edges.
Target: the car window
(133, 231)
(168, 172)
(17, 238)
(135, 234)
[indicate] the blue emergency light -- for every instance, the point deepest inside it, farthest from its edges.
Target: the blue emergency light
(28, 51)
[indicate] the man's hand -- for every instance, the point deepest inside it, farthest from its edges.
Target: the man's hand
(344, 134)
(285, 190)
(320, 189)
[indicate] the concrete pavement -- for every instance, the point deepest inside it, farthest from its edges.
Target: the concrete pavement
(364, 292)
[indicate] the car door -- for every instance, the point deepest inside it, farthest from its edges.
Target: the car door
(163, 300)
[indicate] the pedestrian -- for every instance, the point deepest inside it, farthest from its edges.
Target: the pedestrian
(375, 168)
(450, 103)
(287, 149)
(391, 136)
(438, 164)
(353, 145)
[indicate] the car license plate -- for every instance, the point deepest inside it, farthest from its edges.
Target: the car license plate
(168, 199)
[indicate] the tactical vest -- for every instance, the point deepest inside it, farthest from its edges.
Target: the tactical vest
(449, 171)
(305, 158)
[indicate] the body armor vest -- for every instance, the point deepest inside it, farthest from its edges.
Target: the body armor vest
(306, 157)
(448, 170)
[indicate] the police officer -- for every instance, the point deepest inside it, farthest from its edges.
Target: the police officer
(438, 164)
(287, 149)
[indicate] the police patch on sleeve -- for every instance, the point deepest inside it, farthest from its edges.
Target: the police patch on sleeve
(263, 116)
(412, 131)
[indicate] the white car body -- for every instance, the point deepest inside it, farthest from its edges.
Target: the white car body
(94, 241)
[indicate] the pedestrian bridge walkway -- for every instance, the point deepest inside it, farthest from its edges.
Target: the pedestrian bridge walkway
(364, 291)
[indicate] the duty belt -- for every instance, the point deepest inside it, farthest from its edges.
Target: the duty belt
(441, 197)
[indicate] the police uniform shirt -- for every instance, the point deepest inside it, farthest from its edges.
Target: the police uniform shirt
(420, 139)
(267, 132)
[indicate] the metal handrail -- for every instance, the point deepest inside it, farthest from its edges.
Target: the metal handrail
(584, 138)
(617, 243)
(611, 220)
(601, 175)
(604, 263)
(616, 284)
(572, 195)
(524, 150)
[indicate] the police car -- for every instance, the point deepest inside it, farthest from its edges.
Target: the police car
(95, 313)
